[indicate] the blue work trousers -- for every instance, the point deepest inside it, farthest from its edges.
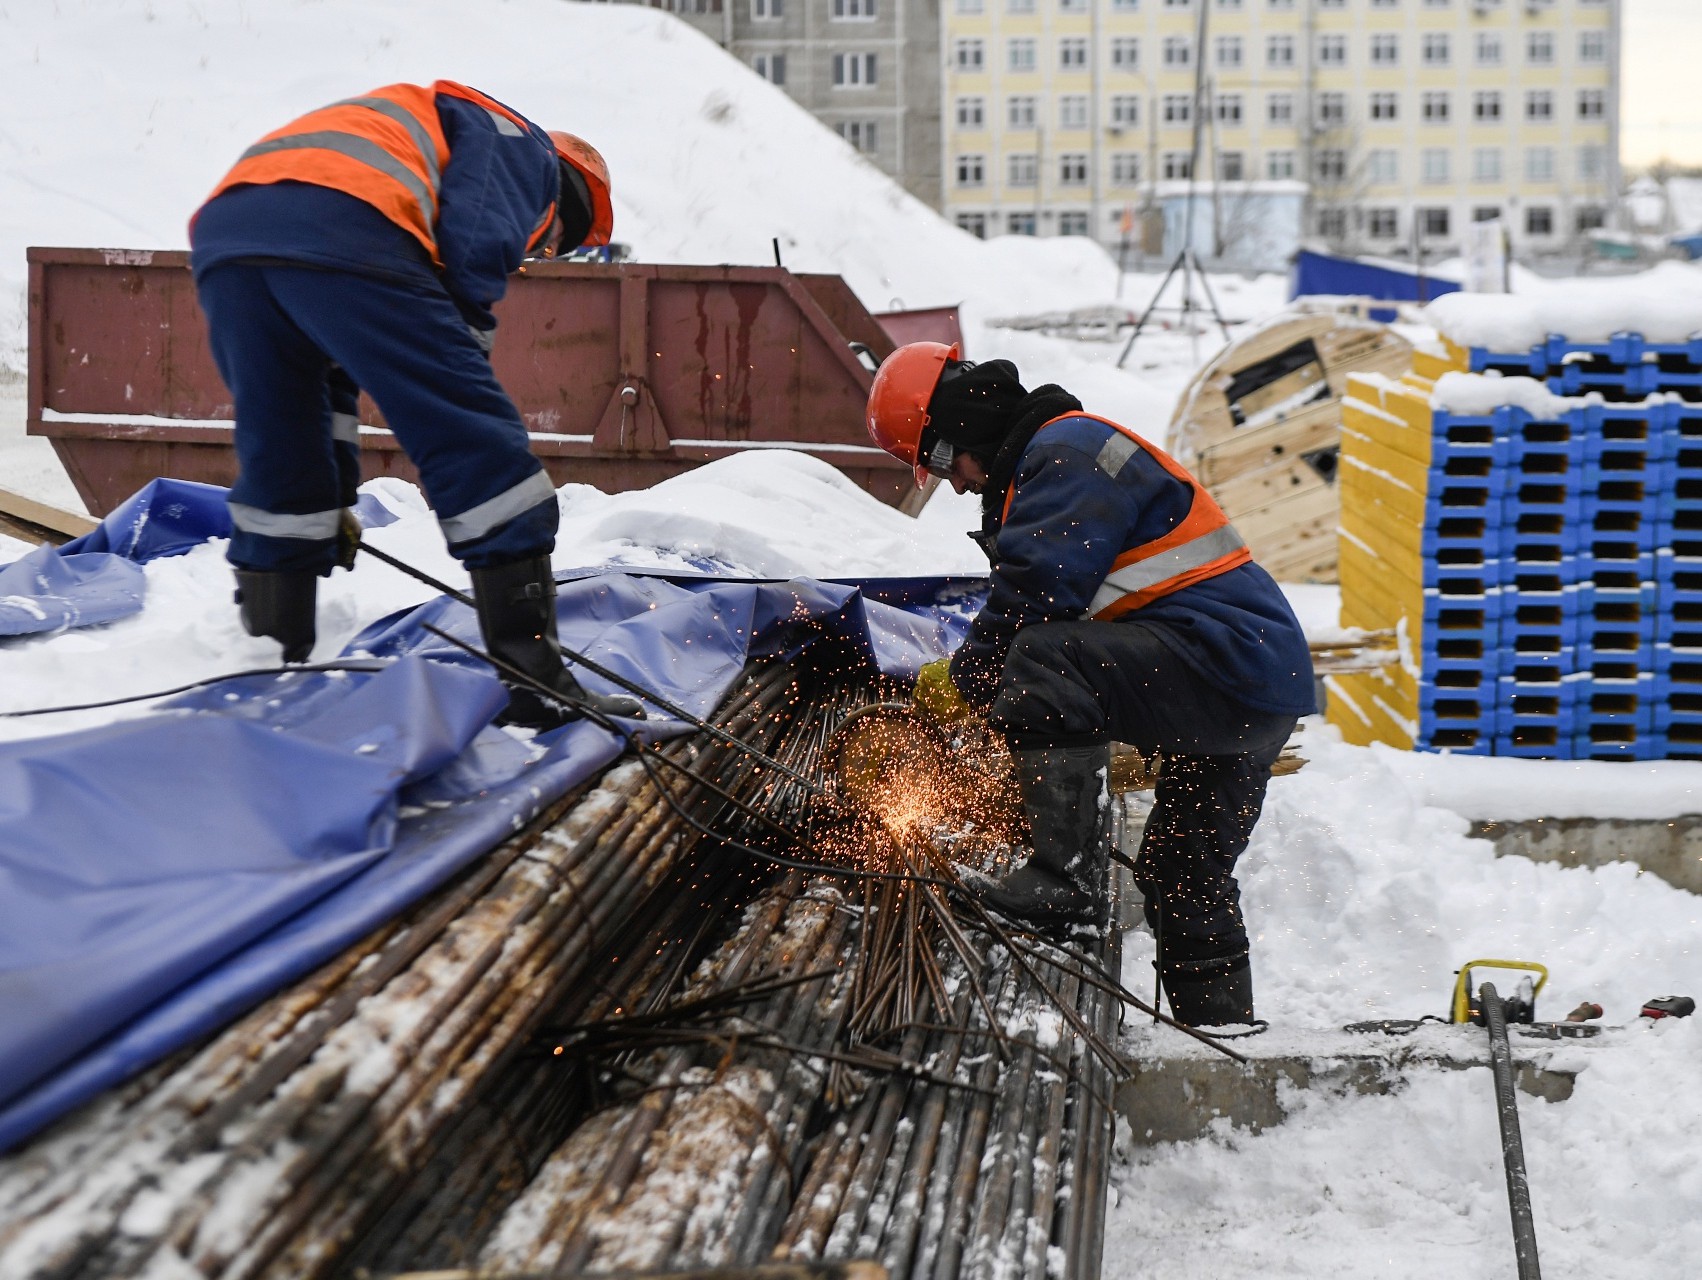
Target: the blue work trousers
(294, 344)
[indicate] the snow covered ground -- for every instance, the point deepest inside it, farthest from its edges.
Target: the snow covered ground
(1362, 887)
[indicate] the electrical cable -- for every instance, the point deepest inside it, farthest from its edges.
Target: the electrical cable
(197, 684)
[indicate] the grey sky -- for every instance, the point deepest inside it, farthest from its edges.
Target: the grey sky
(1662, 68)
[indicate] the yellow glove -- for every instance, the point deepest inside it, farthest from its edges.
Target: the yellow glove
(937, 695)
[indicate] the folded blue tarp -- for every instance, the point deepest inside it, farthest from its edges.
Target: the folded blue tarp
(96, 578)
(159, 876)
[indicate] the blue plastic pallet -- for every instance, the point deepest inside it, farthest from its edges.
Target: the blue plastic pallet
(1561, 496)
(1459, 743)
(1678, 631)
(1636, 381)
(1601, 601)
(1651, 747)
(1533, 746)
(1603, 426)
(1621, 348)
(1488, 537)
(1679, 666)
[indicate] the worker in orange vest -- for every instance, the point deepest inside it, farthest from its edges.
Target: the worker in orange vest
(1123, 606)
(362, 246)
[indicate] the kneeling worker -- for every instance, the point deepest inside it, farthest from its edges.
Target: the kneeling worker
(1124, 606)
(363, 246)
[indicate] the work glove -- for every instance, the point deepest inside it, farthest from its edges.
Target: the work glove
(937, 695)
(348, 538)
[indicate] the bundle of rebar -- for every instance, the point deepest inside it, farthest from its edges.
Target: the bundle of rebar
(646, 1032)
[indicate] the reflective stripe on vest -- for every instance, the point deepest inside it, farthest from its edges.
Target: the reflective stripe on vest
(386, 148)
(1204, 545)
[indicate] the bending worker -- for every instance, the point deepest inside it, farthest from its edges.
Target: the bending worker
(1124, 606)
(363, 246)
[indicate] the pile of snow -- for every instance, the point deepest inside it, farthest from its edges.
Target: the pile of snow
(1664, 305)
(122, 116)
(1483, 393)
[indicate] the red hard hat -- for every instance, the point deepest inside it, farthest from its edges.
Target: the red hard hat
(898, 402)
(588, 161)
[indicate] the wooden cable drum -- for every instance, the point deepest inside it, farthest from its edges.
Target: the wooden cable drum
(1260, 425)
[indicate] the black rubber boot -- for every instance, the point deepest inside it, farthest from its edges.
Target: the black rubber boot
(279, 606)
(1065, 796)
(517, 617)
(1210, 993)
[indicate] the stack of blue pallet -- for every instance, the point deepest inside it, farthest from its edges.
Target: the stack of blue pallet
(1599, 553)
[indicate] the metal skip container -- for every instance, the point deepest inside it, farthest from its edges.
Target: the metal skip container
(624, 374)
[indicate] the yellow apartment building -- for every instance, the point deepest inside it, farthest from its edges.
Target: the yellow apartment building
(1371, 126)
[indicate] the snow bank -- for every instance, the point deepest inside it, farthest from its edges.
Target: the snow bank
(1479, 393)
(123, 114)
(1664, 305)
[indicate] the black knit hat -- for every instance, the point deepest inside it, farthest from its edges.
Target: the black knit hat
(974, 406)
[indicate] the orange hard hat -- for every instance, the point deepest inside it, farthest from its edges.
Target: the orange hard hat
(898, 402)
(589, 164)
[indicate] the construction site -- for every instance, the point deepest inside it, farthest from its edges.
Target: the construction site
(334, 966)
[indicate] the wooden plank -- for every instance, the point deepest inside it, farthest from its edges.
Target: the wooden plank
(1277, 522)
(1354, 704)
(1288, 475)
(1431, 366)
(1273, 393)
(31, 520)
(1316, 426)
(1307, 562)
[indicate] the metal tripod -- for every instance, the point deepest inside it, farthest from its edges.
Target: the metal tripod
(1188, 263)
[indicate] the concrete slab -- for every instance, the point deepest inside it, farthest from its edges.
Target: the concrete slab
(1180, 1086)
(1670, 848)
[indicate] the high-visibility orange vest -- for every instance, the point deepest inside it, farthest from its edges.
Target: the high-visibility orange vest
(385, 147)
(1204, 545)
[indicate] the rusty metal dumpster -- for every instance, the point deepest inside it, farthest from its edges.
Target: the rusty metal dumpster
(625, 374)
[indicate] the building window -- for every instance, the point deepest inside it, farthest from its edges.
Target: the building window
(1020, 54)
(972, 7)
(860, 134)
(1487, 48)
(1432, 223)
(860, 10)
(1021, 169)
(1332, 108)
(1539, 104)
(1486, 164)
(1592, 104)
(1437, 50)
(1382, 166)
(1229, 4)
(1020, 224)
(1178, 108)
(1539, 48)
(1332, 51)
(1279, 165)
(1385, 106)
(974, 223)
(1279, 51)
(1229, 108)
(1279, 4)
(1435, 107)
(1592, 163)
(1072, 168)
(1227, 50)
(1072, 6)
(1332, 4)
(1072, 222)
(770, 66)
(1539, 220)
(1539, 164)
(971, 113)
(1125, 110)
(971, 171)
(1125, 53)
(1435, 164)
(1332, 165)
(1332, 223)
(1126, 6)
(1178, 52)
(1486, 106)
(968, 56)
(854, 70)
(1279, 108)
(1125, 168)
(1019, 111)
(1072, 54)
(1590, 217)
(1178, 165)
(767, 10)
(1178, 4)
(1385, 50)
(1385, 4)
(1383, 224)
(1592, 47)
(1072, 111)
(1231, 166)
(1019, 6)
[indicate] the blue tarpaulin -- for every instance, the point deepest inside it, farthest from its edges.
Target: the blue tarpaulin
(48, 590)
(1319, 273)
(161, 875)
